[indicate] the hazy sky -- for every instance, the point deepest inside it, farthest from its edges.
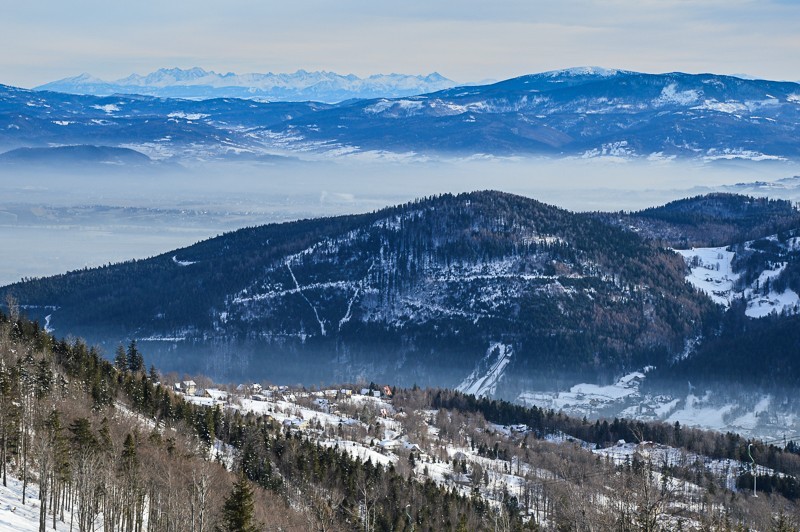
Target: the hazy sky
(468, 40)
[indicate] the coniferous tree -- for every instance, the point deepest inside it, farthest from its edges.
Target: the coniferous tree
(120, 359)
(238, 511)
(135, 358)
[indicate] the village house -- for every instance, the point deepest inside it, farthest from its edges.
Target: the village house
(216, 394)
(189, 387)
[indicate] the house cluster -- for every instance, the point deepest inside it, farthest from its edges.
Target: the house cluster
(385, 392)
(191, 388)
(257, 392)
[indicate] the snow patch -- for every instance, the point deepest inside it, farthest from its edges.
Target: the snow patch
(397, 107)
(714, 154)
(591, 395)
(187, 116)
(182, 262)
(671, 95)
(773, 302)
(108, 108)
(619, 149)
(729, 107)
(698, 412)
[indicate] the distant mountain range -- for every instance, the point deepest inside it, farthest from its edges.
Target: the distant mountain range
(583, 112)
(198, 84)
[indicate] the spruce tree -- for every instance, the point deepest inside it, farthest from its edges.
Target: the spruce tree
(135, 358)
(238, 511)
(121, 359)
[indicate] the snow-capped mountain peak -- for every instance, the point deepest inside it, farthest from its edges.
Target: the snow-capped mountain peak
(585, 71)
(302, 85)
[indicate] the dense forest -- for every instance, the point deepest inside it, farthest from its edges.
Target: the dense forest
(110, 447)
(762, 353)
(711, 220)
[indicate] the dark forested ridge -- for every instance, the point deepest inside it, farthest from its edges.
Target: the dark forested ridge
(763, 353)
(447, 275)
(717, 219)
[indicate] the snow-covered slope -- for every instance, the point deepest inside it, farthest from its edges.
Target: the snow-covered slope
(484, 379)
(16, 517)
(711, 271)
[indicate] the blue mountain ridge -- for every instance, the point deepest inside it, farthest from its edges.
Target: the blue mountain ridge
(571, 113)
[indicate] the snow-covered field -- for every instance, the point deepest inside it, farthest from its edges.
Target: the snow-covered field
(711, 272)
(586, 399)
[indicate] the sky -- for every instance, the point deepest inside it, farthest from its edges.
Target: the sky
(467, 41)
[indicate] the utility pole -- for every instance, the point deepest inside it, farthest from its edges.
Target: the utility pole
(755, 470)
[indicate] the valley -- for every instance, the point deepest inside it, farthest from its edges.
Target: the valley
(517, 299)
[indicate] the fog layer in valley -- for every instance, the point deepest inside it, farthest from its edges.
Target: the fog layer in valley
(56, 220)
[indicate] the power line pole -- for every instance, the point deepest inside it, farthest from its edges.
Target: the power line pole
(755, 468)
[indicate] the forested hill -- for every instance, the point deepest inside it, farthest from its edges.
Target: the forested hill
(420, 292)
(717, 219)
